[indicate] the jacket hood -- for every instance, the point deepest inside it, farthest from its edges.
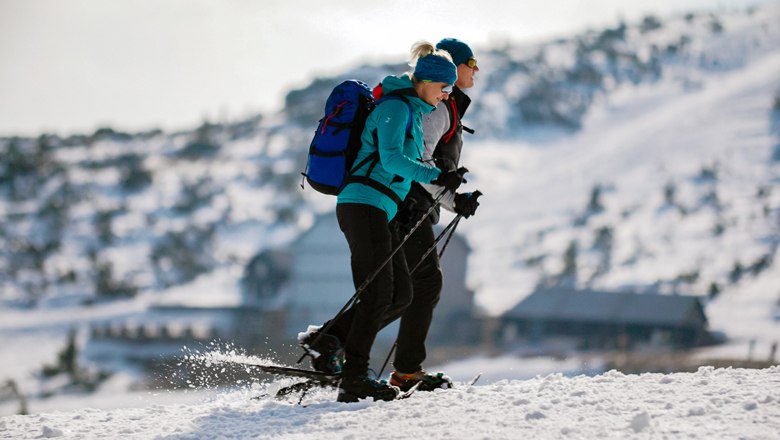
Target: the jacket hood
(394, 83)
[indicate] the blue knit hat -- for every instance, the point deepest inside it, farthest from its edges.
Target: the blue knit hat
(436, 69)
(460, 51)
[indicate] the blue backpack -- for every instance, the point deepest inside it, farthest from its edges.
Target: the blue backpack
(337, 140)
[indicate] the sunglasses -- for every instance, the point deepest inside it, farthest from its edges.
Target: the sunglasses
(447, 88)
(471, 62)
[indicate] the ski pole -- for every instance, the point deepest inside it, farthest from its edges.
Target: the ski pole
(453, 224)
(371, 277)
(392, 349)
(451, 228)
(449, 237)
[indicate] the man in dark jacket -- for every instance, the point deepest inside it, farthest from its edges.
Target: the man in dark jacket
(443, 137)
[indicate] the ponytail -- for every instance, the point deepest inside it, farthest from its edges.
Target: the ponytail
(424, 48)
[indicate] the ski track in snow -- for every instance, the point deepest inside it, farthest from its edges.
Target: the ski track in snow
(709, 404)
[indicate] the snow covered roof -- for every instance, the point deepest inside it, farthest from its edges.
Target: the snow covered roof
(568, 304)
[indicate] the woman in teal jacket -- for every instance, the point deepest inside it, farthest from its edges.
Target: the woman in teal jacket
(400, 154)
(364, 210)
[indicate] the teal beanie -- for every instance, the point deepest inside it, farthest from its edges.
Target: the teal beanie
(459, 50)
(436, 69)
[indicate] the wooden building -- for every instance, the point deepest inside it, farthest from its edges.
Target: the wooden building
(597, 319)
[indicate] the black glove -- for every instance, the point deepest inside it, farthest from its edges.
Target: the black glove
(451, 180)
(466, 203)
(406, 216)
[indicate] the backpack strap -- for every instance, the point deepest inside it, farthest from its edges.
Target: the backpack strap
(452, 108)
(399, 94)
(365, 180)
(335, 112)
(374, 156)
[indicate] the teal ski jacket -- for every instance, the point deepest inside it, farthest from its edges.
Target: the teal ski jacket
(400, 157)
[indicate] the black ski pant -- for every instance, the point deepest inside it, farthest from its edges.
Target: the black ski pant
(371, 240)
(427, 284)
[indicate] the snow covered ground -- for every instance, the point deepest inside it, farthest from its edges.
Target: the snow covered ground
(709, 404)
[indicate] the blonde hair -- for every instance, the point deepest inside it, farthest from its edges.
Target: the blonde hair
(424, 48)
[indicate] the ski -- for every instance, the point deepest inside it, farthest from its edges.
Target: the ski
(473, 381)
(302, 387)
(313, 379)
(316, 377)
(409, 392)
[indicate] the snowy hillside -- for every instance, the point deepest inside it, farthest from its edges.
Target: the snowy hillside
(644, 157)
(659, 179)
(708, 404)
(669, 187)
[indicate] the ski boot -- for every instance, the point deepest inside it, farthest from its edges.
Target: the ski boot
(354, 388)
(429, 382)
(326, 350)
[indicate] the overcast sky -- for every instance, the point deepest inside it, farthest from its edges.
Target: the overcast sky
(72, 66)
